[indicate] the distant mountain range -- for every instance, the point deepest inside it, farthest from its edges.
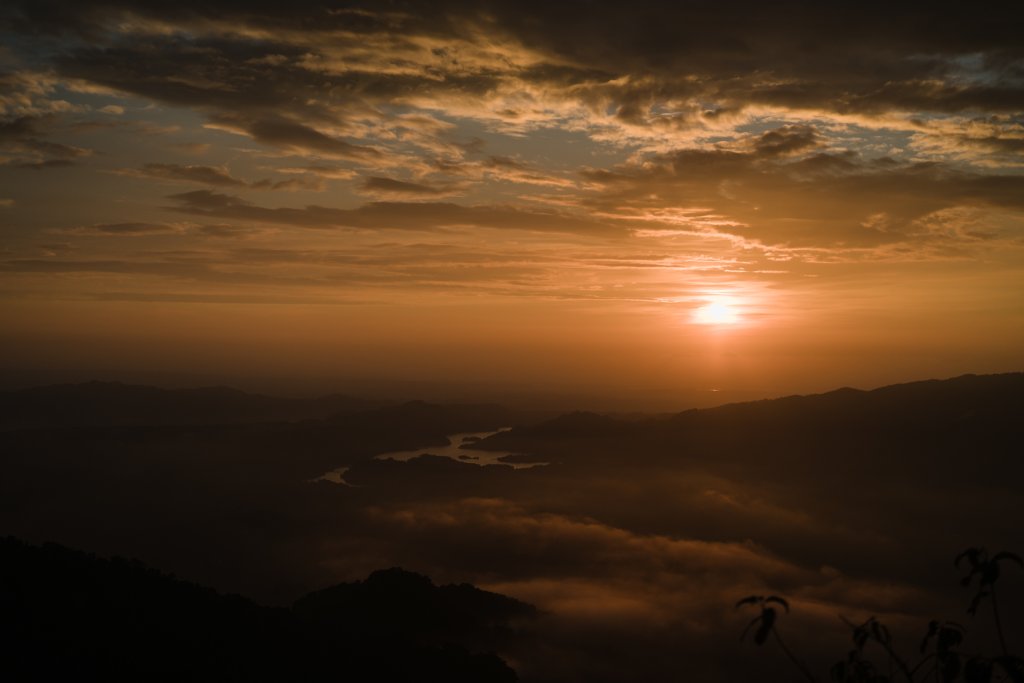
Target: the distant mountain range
(116, 404)
(984, 410)
(113, 403)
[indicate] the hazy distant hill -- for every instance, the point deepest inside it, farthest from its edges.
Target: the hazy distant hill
(67, 615)
(969, 427)
(395, 603)
(979, 410)
(113, 403)
(965, 398)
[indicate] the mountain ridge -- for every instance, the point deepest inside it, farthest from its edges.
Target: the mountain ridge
(68, 613)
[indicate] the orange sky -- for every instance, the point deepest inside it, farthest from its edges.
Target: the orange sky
(510, 198)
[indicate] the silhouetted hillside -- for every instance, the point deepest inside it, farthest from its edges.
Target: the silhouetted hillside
(966, 399)
(983, 414)
(113, 403)
(956, 428)
(448, 418)
(394, 603)
(67, 615)
(577, 425)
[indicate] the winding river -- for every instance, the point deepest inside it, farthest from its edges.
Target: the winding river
(460, 448)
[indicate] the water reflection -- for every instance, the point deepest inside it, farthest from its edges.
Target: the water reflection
(459, 448)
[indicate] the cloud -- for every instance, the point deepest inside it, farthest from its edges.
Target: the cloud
(93, 266)
(810, 56)
(499, 538)
(391, 215)
(320, 170)
(217, 176)
(655, 144)
(40, 165)
(124, 229)
(206, 175)
(504, 169)
(399, 189)
(21, 136)
(226, 231)
(824, 199)
(361, 83)
(194, 148)
(301, 138)
(786, 141)
(608, 589)
(55, 248)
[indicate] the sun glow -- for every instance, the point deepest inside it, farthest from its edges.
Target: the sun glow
(717, 311)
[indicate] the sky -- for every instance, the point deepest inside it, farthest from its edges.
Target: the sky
(657, 204)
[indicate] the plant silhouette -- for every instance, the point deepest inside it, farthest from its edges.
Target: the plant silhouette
(940, 646)
(766, 624)
(857, 669)
(987, 571)
(947, 636)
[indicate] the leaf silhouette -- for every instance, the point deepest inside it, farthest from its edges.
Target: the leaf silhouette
(972, 555)
(1009, 556)
(749, 600)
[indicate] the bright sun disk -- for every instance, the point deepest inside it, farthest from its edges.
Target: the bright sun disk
(716, 312)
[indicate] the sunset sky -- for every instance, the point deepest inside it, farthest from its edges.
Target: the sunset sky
(656, 203)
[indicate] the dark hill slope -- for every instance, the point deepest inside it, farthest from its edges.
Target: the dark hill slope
(67, 615)
(971, 420)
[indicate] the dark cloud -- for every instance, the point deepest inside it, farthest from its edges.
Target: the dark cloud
(787, 140)
(98, 266)
(321, 170)
(54, 248)
(389, 187)
(216, 176)
(864, 59)
(124, 229)
(291, 185)
(826, 199)
(21, 136)
(226, 231)
(390, 215)
(305, 139)
(502, 168)
(40, 165)
(859, 57)
(798, 126)
(206, 175)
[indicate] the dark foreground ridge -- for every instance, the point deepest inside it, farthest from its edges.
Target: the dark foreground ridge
(68, 615)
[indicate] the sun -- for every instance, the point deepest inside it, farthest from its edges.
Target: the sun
(718, 311)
